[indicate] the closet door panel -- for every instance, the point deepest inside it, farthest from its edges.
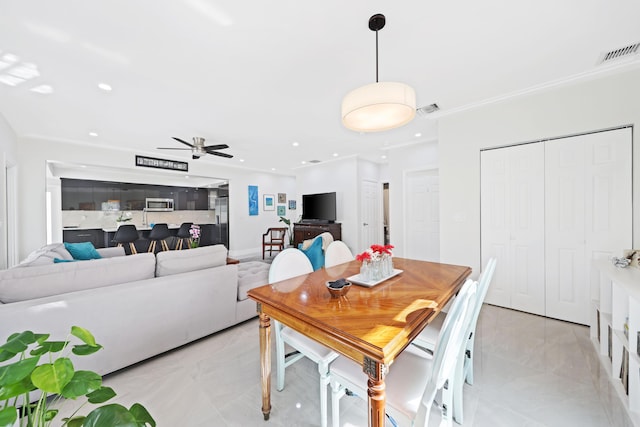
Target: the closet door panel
(526, 214)
(564, 230)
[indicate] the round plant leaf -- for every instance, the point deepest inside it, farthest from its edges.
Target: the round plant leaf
(16, 389)
(101, 395)
(49, 347)
(84, 335)
(113, 415)
(82, 383)
(74, 422)
(16, 343)
(85, 350)
(53, 377)
(15, 372)
(142, 415)
(8, 416)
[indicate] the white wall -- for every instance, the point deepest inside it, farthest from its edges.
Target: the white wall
(405, 159)
(8, 158)
(245, 231)
(602, 103)
(340, 176)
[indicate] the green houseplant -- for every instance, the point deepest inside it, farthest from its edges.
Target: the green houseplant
(290, 226)
(57, 379)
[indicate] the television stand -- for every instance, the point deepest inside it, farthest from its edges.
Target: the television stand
(303, 231)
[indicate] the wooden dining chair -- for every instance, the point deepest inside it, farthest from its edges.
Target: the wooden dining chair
(273, 240)
(290, 263)
(415, 376)
(337, 253)
(428, 338)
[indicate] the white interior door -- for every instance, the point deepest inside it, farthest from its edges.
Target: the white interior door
(422, 215)
(588, 215)
(371, 227)
(512, 225)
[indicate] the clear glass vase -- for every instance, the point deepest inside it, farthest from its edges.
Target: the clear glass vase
(365, 271)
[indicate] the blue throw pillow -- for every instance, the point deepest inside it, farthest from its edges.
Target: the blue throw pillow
(315, 254)
(82, 251)
(59, 260)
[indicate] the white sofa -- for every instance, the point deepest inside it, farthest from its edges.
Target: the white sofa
(137, 306)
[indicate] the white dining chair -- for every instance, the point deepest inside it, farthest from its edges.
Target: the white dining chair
(427, 339)
(337, 253)
(290, 263)
(415, 376)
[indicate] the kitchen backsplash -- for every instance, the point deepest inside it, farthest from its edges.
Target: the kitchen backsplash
(107, 219)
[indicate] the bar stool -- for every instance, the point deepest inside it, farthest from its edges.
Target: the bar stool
(159, 232)
(127, 234)
(183, 233)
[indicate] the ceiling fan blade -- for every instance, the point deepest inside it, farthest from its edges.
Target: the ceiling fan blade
(216, 147)
(215, 153)
(184, 142)
(167, 148)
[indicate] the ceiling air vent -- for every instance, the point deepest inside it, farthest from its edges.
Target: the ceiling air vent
(427, 109)
(623, 52)
(314, 161)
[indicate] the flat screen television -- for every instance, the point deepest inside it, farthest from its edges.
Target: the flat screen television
(319, 207)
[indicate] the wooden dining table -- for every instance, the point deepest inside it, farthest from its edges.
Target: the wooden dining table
(370, 325)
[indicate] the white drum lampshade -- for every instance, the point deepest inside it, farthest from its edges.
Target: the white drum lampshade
(379, 106)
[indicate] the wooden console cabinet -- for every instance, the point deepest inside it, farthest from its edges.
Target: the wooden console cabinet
(303, 232)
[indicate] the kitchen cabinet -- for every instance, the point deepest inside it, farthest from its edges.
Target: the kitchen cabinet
(95, 236)
(89, 195)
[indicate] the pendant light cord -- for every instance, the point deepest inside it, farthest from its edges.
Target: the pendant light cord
(376, 56)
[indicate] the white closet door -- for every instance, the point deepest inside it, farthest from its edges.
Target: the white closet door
(512, 225)
(588, 215)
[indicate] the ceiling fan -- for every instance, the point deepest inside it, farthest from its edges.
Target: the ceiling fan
(198, 149)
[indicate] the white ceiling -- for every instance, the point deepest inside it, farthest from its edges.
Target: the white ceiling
(259, 75)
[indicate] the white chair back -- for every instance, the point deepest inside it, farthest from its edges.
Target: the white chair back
(483, 287)
(337, 253)
(289, 263)
(449, 349)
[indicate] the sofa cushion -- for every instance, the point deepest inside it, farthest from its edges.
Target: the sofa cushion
(251, 275)
(19, 284)
(83, 251)
(315, 253)
(45, 255)
(176, 262)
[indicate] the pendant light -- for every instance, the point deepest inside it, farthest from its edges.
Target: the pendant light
(381, 105)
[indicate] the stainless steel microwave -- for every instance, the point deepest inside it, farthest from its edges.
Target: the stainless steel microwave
(158, 205)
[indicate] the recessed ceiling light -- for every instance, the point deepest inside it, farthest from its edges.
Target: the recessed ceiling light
(273, 169)
(335, 154)
(295, 143)
(384, 156)
(186, 177)
(93, 134)
(418, 135)
(105, 87)
(303, 162)
(46, 89)
(242, 160)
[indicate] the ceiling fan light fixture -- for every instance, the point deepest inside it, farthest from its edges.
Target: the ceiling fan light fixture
(378, 106)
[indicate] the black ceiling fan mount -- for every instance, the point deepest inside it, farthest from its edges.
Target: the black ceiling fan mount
(198, 149)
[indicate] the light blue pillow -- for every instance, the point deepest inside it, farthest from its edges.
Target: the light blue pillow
(314, 253)
(82, 251)
(59, 260)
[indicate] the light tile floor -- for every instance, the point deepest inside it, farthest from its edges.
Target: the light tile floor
(529, 371)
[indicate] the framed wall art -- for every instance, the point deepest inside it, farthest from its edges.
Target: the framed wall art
(292, 205)
(282, 210)
(269, 202)
(253, 200)
(282, 197)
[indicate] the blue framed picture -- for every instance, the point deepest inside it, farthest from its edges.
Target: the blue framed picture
(282, 210)
(292, 205)
(269, 202)
(253, 200)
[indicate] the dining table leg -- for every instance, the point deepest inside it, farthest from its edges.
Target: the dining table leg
(376, 392)
(265, 363)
